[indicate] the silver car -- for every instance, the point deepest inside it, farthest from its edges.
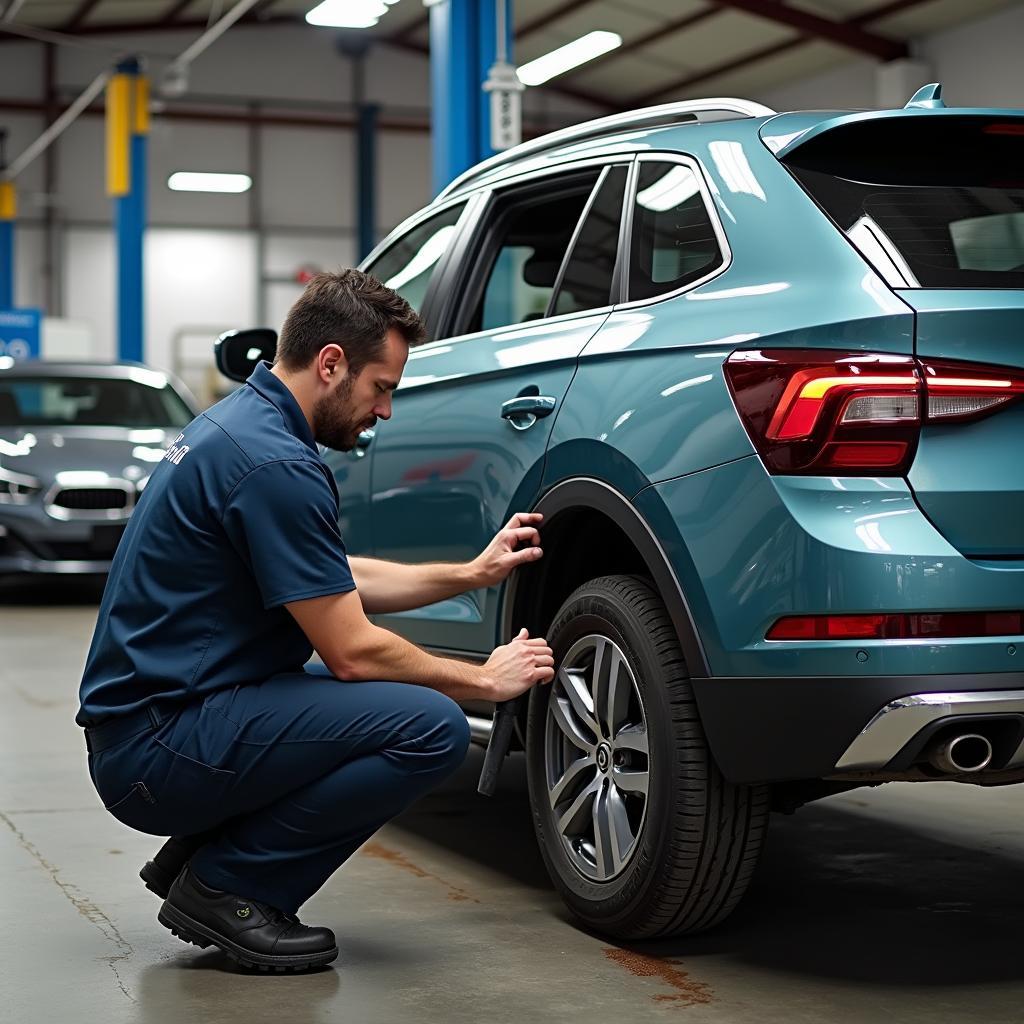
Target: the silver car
(78, 442)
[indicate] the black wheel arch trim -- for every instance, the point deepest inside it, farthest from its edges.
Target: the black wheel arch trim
(590, 493)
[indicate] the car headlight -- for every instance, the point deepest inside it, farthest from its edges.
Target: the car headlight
(17, 488)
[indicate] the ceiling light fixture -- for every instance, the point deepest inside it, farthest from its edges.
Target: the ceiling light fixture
(208, 181)
(348, 13)
(567, 57)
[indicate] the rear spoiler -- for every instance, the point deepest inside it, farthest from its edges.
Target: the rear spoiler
(786, 133)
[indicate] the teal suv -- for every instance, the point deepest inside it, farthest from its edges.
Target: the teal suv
(761, 373)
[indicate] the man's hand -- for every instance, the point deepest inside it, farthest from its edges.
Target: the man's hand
(515, 667)
(518, 543)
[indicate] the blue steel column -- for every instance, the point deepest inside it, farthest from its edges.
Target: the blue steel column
(7, 211)
(366, 184)
(456, 77)
(463, 45)
(130, 207)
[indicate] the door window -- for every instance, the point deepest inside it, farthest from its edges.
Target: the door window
(587, 281)
(525, 252)
(408, 265)
(674, 240)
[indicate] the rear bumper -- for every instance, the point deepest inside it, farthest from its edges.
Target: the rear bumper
(764, 729)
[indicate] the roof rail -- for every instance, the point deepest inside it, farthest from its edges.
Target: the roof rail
(725, 107)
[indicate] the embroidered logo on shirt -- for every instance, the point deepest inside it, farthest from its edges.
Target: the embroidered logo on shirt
(176, 452)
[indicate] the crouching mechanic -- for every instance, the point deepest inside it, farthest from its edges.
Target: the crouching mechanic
(200, 720)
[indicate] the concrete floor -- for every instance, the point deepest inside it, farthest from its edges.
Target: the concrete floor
(899, 905)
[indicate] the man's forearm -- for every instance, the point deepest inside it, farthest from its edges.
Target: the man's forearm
(394, 587)
(382, 654)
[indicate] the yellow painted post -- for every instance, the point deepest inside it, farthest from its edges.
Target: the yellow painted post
(8, 200)
(119, 123)
(140, 107)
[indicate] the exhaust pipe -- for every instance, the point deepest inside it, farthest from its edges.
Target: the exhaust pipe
(957, 755)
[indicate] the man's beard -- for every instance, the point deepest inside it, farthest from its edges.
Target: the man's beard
(333, 424)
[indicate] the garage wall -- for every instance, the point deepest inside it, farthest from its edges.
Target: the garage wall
(978, 64)
(214, 262)
(302, 212)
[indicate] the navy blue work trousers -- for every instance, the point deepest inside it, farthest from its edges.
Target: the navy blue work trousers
(293, 774)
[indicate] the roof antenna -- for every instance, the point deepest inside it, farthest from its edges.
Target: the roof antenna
(928, 97)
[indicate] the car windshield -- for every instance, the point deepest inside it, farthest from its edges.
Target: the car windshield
(944, 197)
(90, 401)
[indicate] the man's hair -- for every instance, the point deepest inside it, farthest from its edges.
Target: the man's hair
(350, 309)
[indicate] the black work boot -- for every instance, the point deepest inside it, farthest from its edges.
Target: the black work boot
(167, 862)
(253, 934)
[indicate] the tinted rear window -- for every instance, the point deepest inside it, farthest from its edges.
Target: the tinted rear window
(945, 196)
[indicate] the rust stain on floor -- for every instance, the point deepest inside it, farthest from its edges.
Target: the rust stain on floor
(688, 992)
(399, 860)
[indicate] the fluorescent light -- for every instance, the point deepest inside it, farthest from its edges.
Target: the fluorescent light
(207, 181)
(572, 55)
(347, 13)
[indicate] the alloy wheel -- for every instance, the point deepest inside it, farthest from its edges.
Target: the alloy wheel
(597, 758)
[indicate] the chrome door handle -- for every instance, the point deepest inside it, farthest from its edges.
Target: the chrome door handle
(363, 441)
(523, 412)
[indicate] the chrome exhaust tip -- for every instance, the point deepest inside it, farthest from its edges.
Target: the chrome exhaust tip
(963, 754)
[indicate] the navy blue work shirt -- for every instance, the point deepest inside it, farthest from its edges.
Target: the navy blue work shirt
(240, 517)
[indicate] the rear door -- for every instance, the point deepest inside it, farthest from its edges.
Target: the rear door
(936, 201)
(473, 415)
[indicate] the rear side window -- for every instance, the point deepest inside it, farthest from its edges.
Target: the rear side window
(524, 251)
(674, 241)
(944, 196)
(587, 280)
(409, 264)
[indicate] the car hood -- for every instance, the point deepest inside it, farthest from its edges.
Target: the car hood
(45, 452)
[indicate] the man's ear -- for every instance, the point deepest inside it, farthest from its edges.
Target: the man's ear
(331, 363)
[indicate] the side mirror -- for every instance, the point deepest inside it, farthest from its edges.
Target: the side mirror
(238, 352)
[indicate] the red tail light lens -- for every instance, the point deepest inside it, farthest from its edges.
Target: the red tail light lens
(897, 626)
(821, 412)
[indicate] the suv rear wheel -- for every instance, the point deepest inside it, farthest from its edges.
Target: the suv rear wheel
(641, 834)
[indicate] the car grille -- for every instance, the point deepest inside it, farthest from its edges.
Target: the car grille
(91, 498)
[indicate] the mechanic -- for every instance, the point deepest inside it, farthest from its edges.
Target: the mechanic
(200, 719)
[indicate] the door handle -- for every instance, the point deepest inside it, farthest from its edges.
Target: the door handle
(363, 440)
(523, 412)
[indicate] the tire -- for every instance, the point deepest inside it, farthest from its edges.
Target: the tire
(676, 860)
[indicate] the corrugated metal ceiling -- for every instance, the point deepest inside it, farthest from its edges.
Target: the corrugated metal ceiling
(672, 49)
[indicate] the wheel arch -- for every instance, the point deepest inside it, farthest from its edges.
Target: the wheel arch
(585, 510)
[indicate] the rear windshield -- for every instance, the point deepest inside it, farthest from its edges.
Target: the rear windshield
(944, 198)
(93, 402)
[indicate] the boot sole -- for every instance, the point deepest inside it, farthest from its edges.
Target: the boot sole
(189, 930)
(156, 879)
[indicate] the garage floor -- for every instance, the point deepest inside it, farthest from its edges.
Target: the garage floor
(898, 905)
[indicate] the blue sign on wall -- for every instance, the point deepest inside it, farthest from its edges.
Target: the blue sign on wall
(19, 333)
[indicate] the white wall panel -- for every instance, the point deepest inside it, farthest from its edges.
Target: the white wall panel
(285, 254)
(20, 70)
(308, 178)
(28, 267)
(403, 177)
(89, 285)
(197, 282)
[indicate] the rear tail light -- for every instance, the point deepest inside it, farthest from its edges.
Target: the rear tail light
(900, 626)
(818, 412)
